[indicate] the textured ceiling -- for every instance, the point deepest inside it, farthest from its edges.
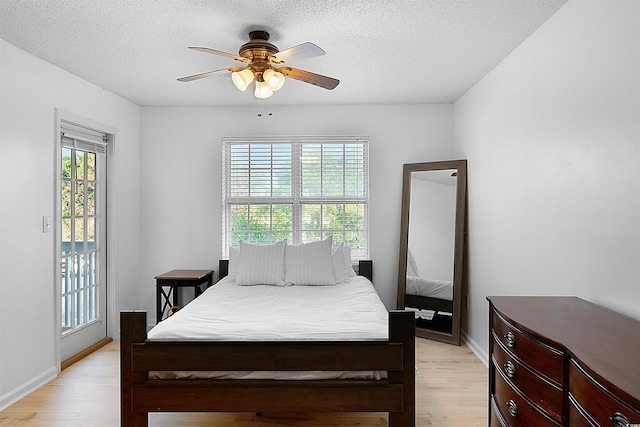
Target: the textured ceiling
(407, 51)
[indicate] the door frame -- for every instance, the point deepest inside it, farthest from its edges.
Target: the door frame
(111, 209)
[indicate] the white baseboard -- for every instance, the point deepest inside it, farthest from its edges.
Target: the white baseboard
(27, 388)
(476, 349)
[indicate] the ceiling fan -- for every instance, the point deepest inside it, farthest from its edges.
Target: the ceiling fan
(263, 64)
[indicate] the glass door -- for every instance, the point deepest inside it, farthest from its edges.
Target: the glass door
(82, 257)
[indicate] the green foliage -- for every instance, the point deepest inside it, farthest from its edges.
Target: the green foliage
(267, 223)
(78, 195)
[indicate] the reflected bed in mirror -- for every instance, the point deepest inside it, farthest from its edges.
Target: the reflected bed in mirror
(430, 267)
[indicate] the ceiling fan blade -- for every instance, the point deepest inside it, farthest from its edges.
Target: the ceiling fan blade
(203, 75)
(301, 51)
(309, 77)
(220, 53)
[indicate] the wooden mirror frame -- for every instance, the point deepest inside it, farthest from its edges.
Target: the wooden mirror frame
(459, 240)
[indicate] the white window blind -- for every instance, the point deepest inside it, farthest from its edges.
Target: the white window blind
(83, 138)
(300, 189)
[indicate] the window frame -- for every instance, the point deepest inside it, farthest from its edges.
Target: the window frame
(296, 199)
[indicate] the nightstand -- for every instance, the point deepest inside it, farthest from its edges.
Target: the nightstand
(167, 286)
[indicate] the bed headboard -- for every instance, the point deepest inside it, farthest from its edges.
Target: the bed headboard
(365, 268)
(223, 268)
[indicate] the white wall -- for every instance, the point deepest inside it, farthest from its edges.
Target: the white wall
(181, 175)
(552, 136)
(30, 91)
(432, 214)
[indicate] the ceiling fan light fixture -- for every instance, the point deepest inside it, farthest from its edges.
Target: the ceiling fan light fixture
(274, 79)
(242, 79)
(262, 64)
(262, 90)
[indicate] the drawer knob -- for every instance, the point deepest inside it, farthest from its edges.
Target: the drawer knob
(619, 420)
(510, 369)
(511, 339)
(513, 408)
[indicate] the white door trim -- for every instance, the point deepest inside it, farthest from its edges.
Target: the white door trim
(61, 115)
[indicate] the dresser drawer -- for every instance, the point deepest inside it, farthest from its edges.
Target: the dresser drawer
(594, 404)
(495, 417)
(545, 359)
(540, 391)
(577, 416)
(514, 409)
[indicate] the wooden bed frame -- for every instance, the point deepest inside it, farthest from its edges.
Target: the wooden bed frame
(141, 395)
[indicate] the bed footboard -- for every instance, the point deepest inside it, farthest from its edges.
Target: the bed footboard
(140, 395)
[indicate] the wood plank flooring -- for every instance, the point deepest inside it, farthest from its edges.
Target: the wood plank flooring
(451, 390)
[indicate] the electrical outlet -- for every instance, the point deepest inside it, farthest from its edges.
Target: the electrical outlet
(46, 224)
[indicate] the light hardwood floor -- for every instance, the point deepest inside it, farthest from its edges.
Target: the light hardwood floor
(451, 390)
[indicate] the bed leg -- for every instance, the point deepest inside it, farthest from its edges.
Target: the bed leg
(133, 329)
(402, 329)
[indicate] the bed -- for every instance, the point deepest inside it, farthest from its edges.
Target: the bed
(167, 371)
(426, 296)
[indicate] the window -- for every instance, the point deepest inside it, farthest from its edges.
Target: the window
(299, 189)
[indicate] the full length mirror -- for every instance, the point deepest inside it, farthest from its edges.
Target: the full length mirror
(430, 267)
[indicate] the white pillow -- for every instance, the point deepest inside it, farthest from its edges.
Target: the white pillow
(342, 267)
(412, 267)
(310, 264)
(261, 264)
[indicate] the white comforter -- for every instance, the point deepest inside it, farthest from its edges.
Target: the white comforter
(227, 312)
(422, 286)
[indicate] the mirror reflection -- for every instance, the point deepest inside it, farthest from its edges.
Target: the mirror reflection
(429, 279)
(432, 229)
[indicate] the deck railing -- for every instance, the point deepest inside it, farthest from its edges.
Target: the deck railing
(79, 285)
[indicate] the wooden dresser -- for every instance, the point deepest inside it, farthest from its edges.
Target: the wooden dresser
(562, 361)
